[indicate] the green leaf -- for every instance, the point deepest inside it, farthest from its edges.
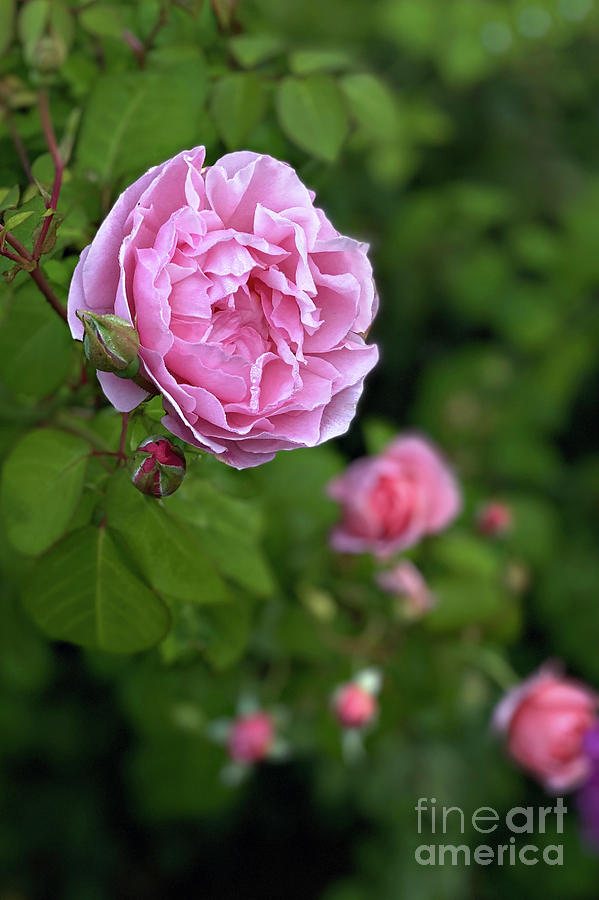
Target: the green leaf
(305, 62)
(14, 221)
(137, 119)
(230, 533)
(237, 105)
(36, 349)
(312, 114)
(102, 19)
(7, 16)
(42, 481)
(9, 197)
(462, 602)
(250, 50)
(82, 591)
(32, 22)
(372, 105)
(169, 553)
(467, 554)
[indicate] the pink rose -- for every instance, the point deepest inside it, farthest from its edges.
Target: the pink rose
(544, 721)
(354, 706)
(251, 308)
(392, 500)
(251, 737)
(404, 580)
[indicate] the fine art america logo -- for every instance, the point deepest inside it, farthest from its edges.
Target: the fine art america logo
(520, 820)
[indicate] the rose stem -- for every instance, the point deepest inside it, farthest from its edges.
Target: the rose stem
(24, 255)
(36, 273)
(124, 426)
(45, 116)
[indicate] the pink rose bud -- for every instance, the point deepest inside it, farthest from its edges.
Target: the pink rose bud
(391, 501)
(354, 706)
(544, 721)
(110, 343)
(404, 580)
(251, 308)
(494, 519)
(251, 737)
(157, 467)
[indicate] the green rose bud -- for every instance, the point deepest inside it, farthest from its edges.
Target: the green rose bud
(110, 343)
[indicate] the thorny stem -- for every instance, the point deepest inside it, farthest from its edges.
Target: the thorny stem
(44, 108)
(42, 284)
(13, 257)
(24, 256)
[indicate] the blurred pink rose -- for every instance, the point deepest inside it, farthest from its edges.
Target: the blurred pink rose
(251, 308)
(404, 580)
(391, 501)
(354, 706)
(544, 721)
(251, 737)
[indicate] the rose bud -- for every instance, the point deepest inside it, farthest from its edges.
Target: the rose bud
(157, 467)
(251, 737)
(110, 343)
(391, 501)
(494, 519)
(544, 721)
(354, 706)
(405, 581)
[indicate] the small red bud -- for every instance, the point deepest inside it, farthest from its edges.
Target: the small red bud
(354, 706)
(251, 737)
(494, 519)
(157, 467)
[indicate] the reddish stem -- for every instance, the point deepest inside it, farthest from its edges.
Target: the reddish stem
(42, 284)
(124, 427)
(13, 257)
(48, 129)
(18, 246)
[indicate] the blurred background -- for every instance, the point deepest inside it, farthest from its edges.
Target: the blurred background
(460, 138)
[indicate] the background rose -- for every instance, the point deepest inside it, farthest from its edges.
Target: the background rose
(250, 307)
(392, 500)
(545, 720)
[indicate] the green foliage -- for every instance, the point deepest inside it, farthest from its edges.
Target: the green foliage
(238, 102)
(35, 350)
(139, 119)
(42, 480)
(311, 113)
(82, 591)
(166, 550)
